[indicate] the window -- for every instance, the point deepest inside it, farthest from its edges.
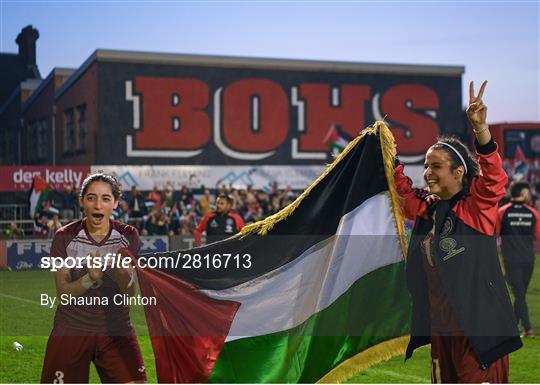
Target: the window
(31, 139)
(13, 140)
(69, 131)
(42, 139)
(81, 125)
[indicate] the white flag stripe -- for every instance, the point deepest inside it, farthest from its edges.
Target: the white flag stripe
(342, 142)
(289, 295)
(34, 199)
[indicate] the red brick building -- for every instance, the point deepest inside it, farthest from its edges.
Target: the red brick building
(39, 120)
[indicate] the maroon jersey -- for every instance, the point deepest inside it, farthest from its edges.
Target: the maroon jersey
(98, 315)
(443, 319)
(453, 360)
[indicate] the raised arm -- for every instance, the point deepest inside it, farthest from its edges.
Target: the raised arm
(477, 114)
(488, 188)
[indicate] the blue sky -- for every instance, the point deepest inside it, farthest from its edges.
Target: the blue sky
(494, 40)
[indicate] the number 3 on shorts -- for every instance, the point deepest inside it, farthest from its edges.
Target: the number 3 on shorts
(59, 377)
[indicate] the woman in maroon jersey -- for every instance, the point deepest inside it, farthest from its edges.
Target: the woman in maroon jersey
(460, 301)
(91, 324)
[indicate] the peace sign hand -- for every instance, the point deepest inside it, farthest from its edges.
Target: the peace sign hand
(477, 110)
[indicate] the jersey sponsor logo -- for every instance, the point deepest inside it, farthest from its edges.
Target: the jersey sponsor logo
(521, 223)
(520, 219)
(449, 245)
(520, 215)
(214, 223)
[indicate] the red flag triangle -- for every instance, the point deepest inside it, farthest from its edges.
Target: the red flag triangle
(332, 136)
(519, 156)
(40, 184)
(187, 328)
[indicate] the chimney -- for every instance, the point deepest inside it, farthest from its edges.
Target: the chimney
(27, 46)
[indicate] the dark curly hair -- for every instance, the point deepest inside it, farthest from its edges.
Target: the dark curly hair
(100, 176)
(228, 198)
(517, 187)
(473, 169)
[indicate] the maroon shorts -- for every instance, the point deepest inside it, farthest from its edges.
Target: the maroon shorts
(454, 361)
(117, 359)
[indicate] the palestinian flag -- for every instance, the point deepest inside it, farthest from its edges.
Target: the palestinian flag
(521, 166)
(38, 194)
(335, 141)
(313, 292)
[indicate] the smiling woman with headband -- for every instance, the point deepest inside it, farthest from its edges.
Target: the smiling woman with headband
(460, 301)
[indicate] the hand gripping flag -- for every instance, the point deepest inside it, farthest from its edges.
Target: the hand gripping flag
(312, 293)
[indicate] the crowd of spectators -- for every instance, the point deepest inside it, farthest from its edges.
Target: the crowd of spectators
(530, 173)
(160, 211)
(177, 212)
(170, 212)
(59, 208)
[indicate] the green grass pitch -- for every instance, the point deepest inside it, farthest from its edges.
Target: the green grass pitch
(24, 320)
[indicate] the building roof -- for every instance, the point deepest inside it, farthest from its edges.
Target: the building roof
(26, 85)
(58, 71)
(102, 55)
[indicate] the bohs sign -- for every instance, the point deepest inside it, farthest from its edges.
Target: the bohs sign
(239, 114)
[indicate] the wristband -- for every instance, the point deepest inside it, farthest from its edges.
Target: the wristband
(477, 132)
(86, 281)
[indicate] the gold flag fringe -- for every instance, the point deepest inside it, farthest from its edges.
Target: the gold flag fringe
(363, 360)
(388, 148)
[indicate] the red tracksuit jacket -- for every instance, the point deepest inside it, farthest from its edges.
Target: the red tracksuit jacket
(465, 255)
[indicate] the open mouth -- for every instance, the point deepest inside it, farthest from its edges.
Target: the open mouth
(97, 216)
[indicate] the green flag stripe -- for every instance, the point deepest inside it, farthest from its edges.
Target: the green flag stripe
(355, 321)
